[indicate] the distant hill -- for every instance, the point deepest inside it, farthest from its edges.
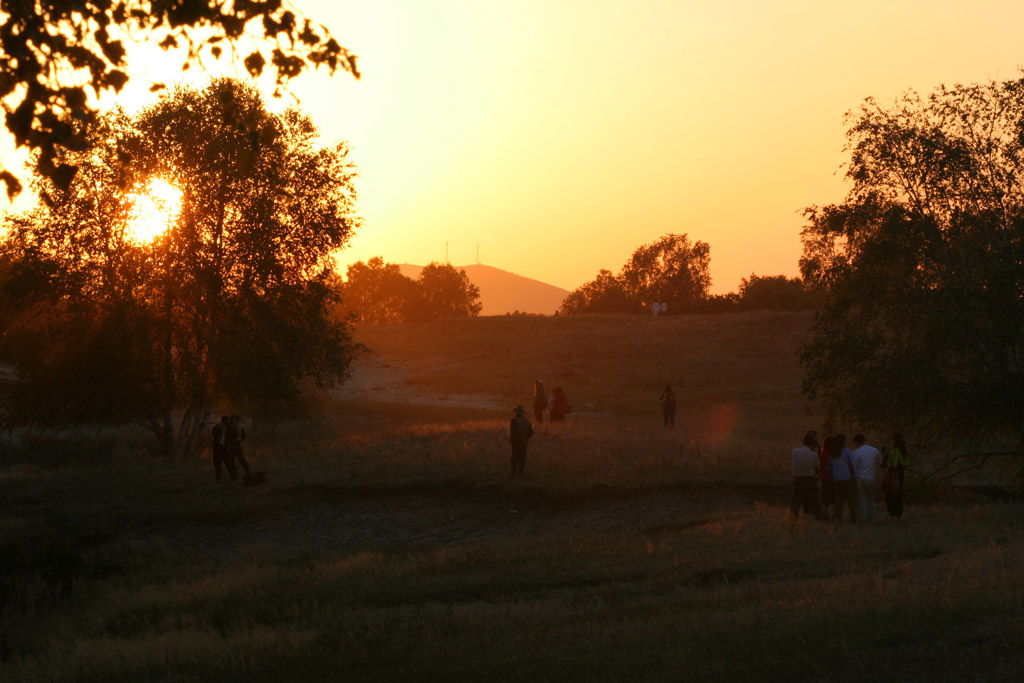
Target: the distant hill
(503, 292)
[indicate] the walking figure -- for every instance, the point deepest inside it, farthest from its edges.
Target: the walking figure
(559, 404)
(219, 449)
(668, 406)
(234, 435)
(520, 430)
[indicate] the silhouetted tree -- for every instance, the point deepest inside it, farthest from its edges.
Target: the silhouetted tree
(230, 304)
(378, 294)
(671, 270)
(603, 294)
(923, 267)
(446, 292)
(777, 292)
(59, 57)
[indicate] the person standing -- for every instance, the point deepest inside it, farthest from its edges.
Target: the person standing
(559, 404)
(540, 400)
(897, 457)
(519, 432)
(866, 460)
(844, 482)
(668, 406)
(805, 478)
(828, 497)
(235, 437)
(219, 448)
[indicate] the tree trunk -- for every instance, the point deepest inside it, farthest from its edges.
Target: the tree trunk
(193, 425)
(164, 431)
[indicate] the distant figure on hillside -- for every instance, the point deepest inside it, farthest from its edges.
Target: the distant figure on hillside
(234, 435)
(668, 406)
(519, 432)
(540, 400)
(655, 309)
(664, 307)
(219, 448)
(559, 405)
(805, 478)
(867, 460)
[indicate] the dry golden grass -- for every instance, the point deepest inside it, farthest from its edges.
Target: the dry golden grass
(389, 543)
(617, 364)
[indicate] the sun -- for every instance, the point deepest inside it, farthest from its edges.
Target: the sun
(154, 207)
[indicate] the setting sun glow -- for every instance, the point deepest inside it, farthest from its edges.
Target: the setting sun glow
(553, 139)
(154, 208)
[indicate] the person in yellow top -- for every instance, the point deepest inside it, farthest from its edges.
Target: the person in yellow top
(897, 457)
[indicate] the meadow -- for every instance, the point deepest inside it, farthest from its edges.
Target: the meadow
(390, 544)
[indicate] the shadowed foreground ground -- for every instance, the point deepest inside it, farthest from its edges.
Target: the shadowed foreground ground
(389, 544)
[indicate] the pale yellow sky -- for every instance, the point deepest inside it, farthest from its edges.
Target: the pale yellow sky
(559, 135)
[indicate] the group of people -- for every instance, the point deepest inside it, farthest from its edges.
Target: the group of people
(557, 404)
(521, 429)
(830, 477)
(228, 446)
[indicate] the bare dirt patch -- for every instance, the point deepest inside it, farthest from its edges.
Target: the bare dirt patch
(389, 379)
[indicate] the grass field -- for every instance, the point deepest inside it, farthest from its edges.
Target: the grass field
(389, 543)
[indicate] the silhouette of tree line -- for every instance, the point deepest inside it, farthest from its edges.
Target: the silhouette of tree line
(676, 273)
(377, 293)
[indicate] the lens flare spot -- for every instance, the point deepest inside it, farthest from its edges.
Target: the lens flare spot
(721, 423)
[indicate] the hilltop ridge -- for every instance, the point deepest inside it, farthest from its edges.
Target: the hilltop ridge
(503, 292)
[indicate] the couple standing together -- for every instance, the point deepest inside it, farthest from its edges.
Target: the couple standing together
(228, 446)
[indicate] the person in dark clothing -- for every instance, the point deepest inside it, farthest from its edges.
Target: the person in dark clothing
(898, 457)
(235, 438)
(559, 404)
(668, 406)
(540, 400)
(520, 431)
(219, 448)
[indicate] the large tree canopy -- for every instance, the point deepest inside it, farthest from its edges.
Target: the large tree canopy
(377, 293)
(447, 292)
(672, 270)
(230, 304)
(58, 57)
(923, 264)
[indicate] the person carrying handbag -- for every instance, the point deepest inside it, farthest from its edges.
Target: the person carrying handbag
(896, 460)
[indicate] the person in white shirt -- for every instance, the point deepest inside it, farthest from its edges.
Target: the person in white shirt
(805, 478)
(866, 460)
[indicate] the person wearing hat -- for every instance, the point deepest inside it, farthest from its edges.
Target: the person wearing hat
(520, 431)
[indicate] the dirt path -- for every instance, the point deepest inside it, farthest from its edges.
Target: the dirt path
(382, 378)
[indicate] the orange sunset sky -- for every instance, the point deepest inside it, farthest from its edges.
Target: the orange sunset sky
(559, 135)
